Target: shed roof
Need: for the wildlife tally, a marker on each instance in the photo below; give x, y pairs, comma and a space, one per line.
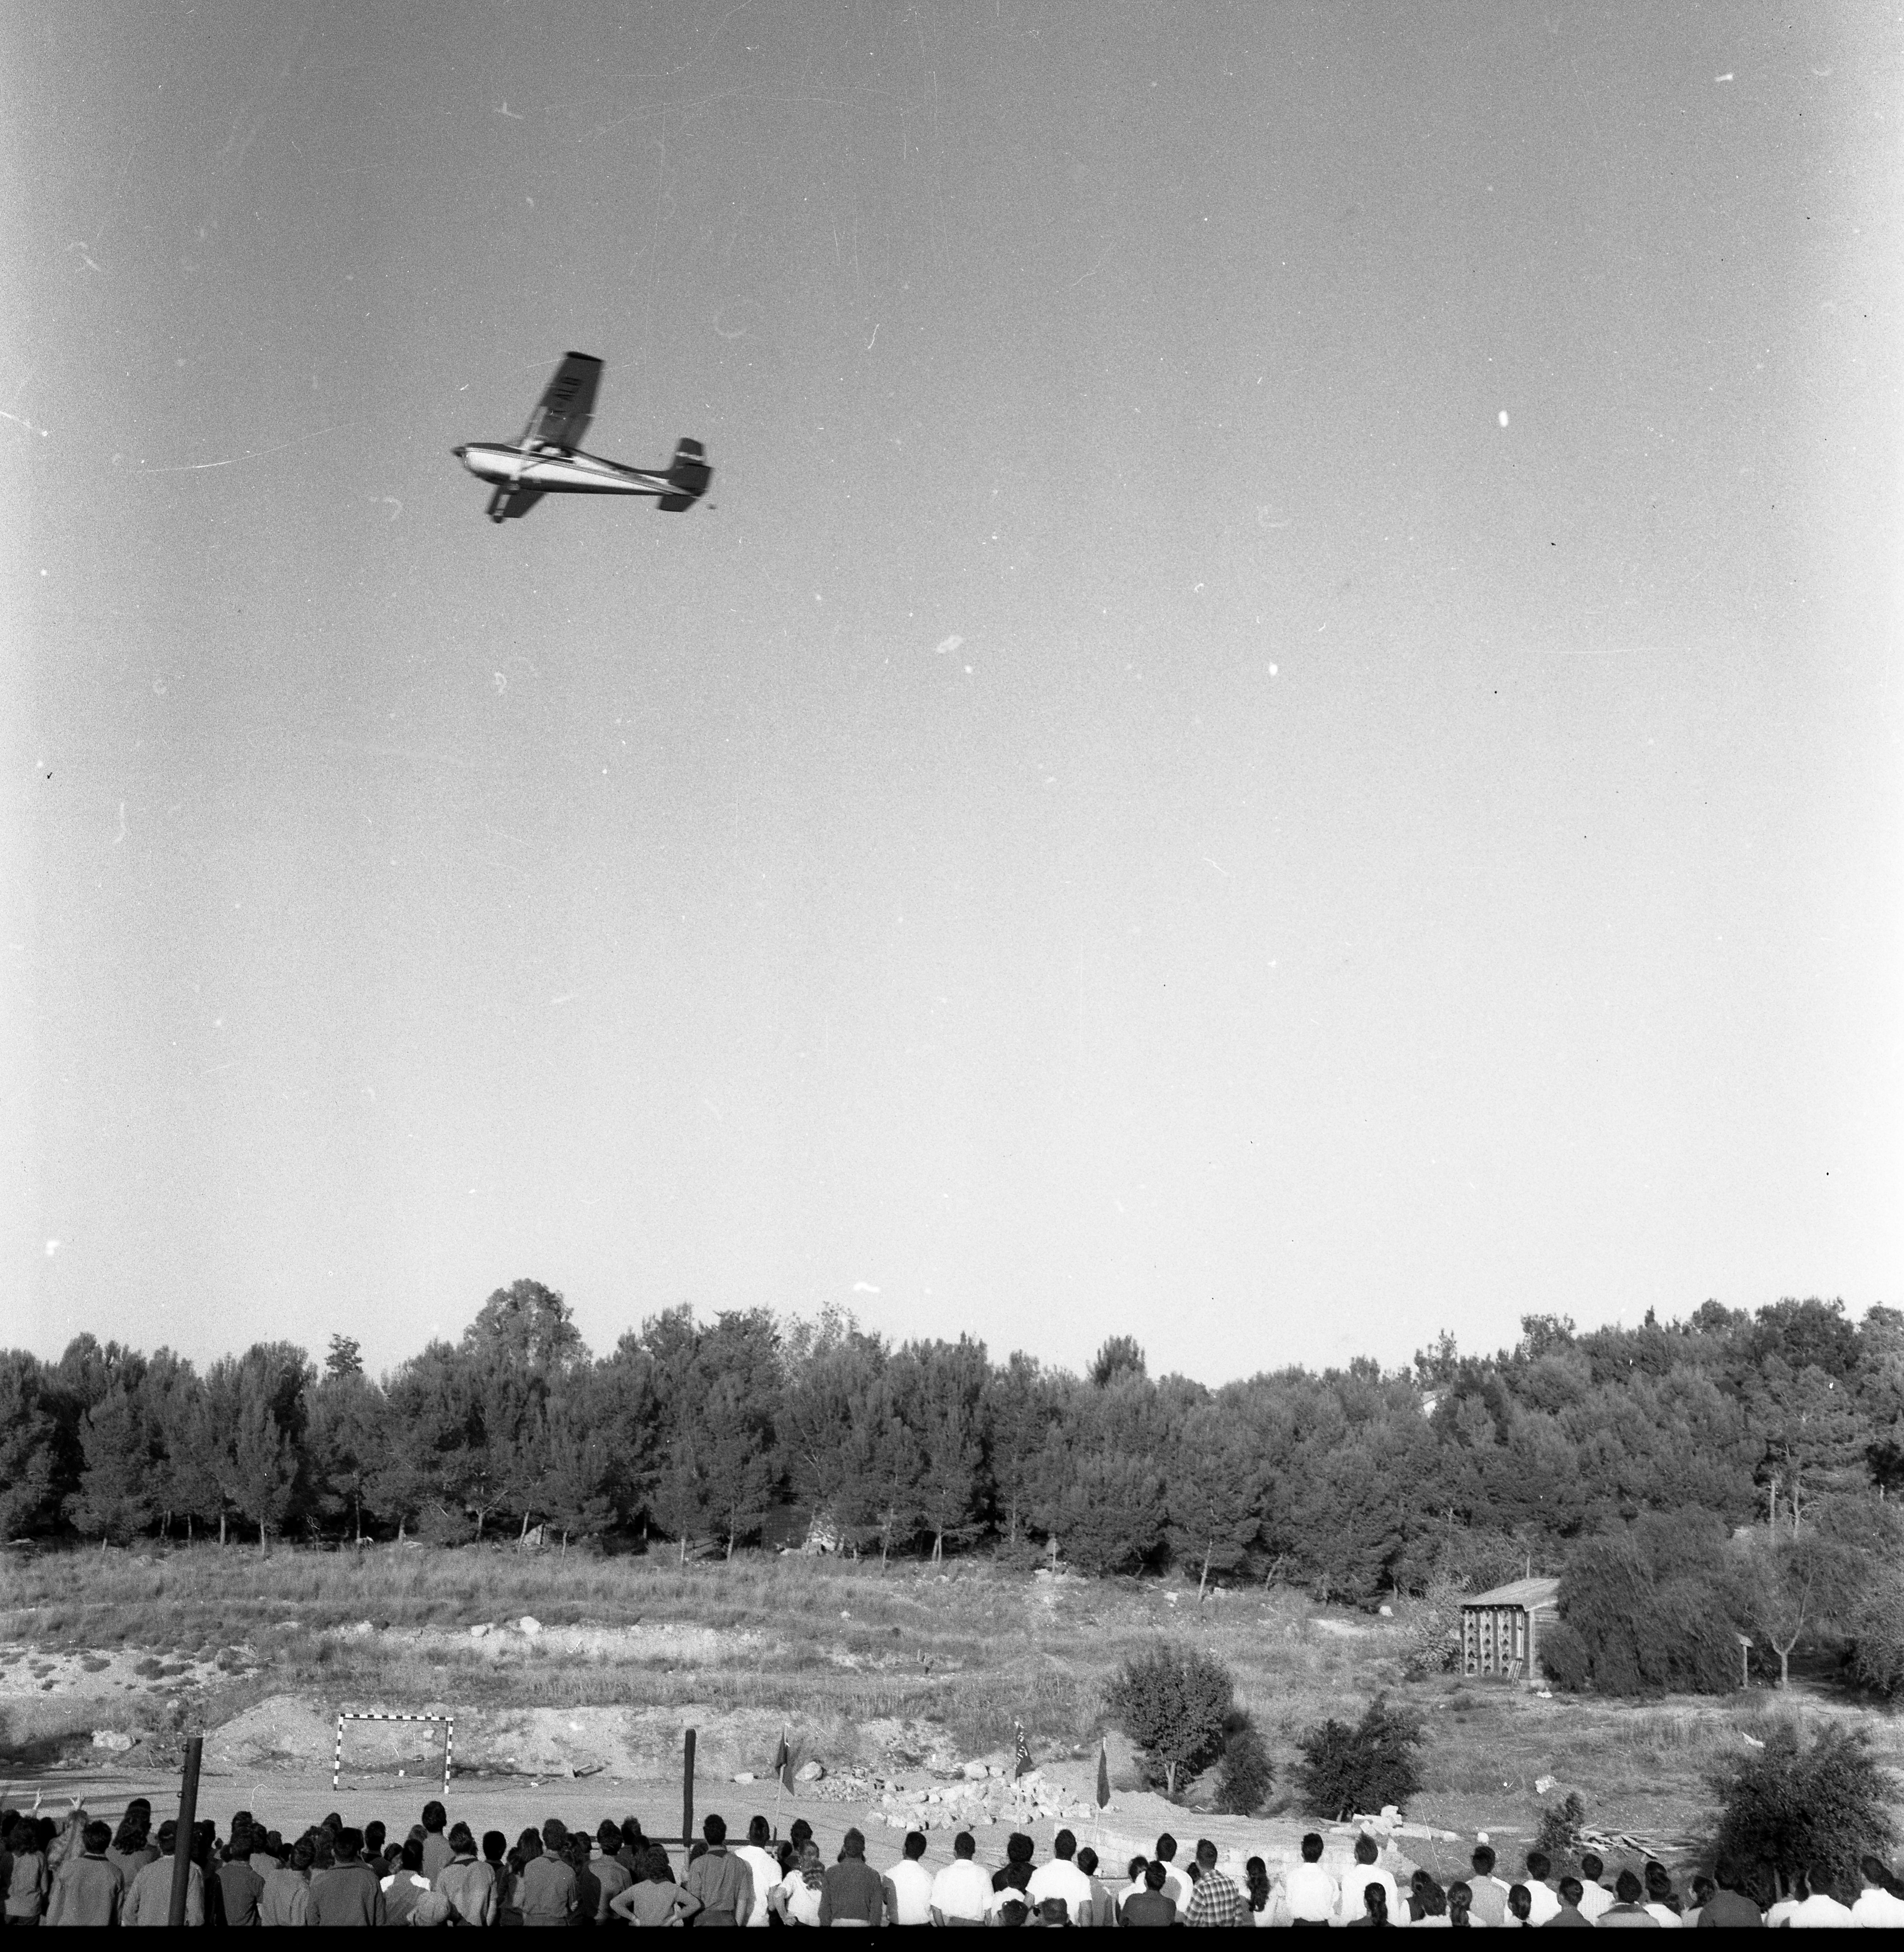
1528, 1593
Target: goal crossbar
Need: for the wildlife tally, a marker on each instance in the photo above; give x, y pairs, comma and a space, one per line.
350, 1715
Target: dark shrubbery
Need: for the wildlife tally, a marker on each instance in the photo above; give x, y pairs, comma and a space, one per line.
1819, 1807
1648, 1609
1344, 1771
1247, 1776
1560, 1825
1173, 1702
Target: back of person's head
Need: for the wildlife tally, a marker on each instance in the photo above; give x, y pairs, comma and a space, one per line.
758, 1830
1590, 1867
963, 1845
1702, 1889
1434, 1900
1571, 1891
495, 1847
1801, 1883
1460, 1896
1013, 1912
1155, 1873
1657, 1883
1627, 1888
434, 1817
168, 1836
1375, 1898
460, 1839
530, 1844
798, 1831
660, 1872
698, 1848
581, 1848
1017, 1848
1365, 1850
350, 1844
1874, 1871
1063, 1844
374, 1833
714, 1828
1255, 1874
1054, 1911
1539, 1865
411, 1856
1482, 1860
1206, 1854
97, 1836
1312, 1847
129, 1836
303, 1854
1520, 1900
1167, 1846
1135, 1869
554, 1831
1087, 1861
853, 1844
915, 1844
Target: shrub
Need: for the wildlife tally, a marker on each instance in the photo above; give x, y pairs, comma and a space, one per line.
1247, 1776
1431, 1628
1172, 1702
1820, 1807
1344, 1771
1646, 1609
1560, 1827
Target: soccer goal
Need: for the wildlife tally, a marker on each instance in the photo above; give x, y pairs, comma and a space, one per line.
348, 1715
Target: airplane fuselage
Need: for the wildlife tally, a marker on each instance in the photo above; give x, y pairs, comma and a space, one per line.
556, 470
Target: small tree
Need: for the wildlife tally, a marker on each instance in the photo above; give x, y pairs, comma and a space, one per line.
1247, 1776
1344, 1771
1792, 1584
259, 1469
1818, 1807
1172, 1702
114, 1498
1560, 1827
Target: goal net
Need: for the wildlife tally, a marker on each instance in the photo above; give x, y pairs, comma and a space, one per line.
384, 1746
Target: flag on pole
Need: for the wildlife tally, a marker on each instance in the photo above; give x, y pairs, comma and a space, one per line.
784, 1762
1021, 1750
1103, 1775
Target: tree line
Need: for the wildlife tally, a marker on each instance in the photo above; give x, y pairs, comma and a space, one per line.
711, 1434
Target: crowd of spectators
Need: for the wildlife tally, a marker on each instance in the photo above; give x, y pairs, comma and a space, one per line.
85, 1872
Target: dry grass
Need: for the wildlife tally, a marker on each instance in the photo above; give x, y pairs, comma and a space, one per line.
841, 1646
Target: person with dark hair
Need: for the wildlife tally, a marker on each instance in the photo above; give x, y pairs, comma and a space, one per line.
1434, 1905
1876, 1906
87, 1889
962, 1893
850, 1893
907, 1886
546, 1889
1177, 1884
1256, 1890
1101, 1908
795, 1899
149, 1902
1368, 1868
1216, 1900
1543, 1903
1309, 1891
1134, 1883
1626, 1912
285, 1899
1662, 1900
132, 1848
1818, 1905
436, 1848
468, 1883
1060, 1878
1010, 1909
1728, 1906
1153, 1905
1375, 1898
30, 1881
1594, 1895
350, 1892
654, 1898
1018, 1849
239, 1882
578, 1849
610, 1874
1488, 1892
1569, 1913
720, 1879
1701, 1896
1461, 1905
406, 1885
763, 1871
1520, 1905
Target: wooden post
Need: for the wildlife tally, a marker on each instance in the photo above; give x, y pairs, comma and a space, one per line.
182, 1842
687, 1790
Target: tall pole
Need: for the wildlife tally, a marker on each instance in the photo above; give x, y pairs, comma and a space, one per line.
182, 1842
687, 1790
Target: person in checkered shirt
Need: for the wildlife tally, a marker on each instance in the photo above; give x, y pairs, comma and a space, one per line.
1214, 1899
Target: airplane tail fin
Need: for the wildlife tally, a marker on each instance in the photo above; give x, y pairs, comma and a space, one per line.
688, 476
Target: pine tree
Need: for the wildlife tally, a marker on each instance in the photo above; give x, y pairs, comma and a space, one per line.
258, 1468
27, 1455
114, 1499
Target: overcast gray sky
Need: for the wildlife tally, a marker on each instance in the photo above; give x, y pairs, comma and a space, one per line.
1283, 732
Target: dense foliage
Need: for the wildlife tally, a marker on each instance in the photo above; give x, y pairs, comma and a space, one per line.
1176, 1703
1816, 1807
1565, 1454
1246, 1775
1346, 1771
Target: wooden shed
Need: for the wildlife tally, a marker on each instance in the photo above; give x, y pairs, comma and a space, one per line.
1500, 1630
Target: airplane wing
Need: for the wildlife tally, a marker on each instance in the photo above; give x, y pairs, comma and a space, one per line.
508, 502
563, 415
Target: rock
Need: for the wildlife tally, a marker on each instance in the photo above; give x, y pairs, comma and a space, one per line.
529, 1625
1543, 1784
746, 1775
482, 1628
111, 1739
975, 1771
810, 1771
1386, 1613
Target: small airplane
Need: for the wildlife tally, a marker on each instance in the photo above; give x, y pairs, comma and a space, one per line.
547, 460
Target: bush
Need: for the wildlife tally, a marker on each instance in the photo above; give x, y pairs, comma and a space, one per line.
1247, 1776
1648, 1610
1173, 1702
1345, 1771
1560, 1827
1431, 1626
1821, 1807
